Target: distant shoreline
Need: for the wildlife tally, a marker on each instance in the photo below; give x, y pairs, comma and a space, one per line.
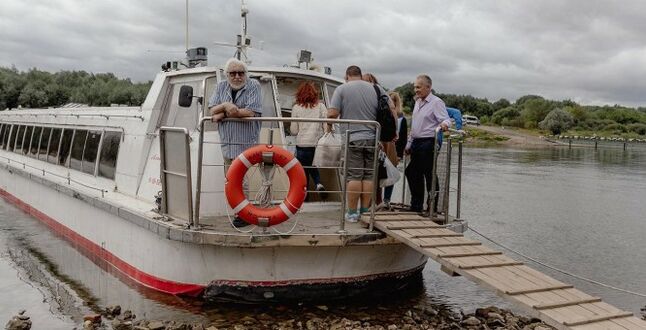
501, 136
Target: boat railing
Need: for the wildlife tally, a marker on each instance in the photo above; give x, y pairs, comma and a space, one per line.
44, 172
448, 189
341, 170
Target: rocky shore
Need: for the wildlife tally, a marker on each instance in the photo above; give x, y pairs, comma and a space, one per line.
314, 318
418, 317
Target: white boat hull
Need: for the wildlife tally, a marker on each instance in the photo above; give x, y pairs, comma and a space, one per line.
183, 268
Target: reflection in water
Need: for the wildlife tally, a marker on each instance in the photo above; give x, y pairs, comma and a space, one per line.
577, 209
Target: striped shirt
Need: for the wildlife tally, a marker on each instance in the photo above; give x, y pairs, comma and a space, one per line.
237, 136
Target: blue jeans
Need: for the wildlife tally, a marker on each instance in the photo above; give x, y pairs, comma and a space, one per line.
305, 155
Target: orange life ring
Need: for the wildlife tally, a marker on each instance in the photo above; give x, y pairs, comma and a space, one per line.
265, 216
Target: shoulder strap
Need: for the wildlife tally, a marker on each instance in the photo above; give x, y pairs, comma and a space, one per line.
377, 90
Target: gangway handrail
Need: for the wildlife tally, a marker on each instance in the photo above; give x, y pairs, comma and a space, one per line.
460, 134
375, 177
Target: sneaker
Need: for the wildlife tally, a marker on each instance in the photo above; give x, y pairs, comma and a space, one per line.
320, 187
239, 223
352, 217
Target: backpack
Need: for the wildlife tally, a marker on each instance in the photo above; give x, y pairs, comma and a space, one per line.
385, 117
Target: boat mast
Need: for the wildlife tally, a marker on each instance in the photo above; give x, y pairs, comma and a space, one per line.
186, 38
244, 41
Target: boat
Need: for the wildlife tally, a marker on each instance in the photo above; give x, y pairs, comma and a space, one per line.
142, 189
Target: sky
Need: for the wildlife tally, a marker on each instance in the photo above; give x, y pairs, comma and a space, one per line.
589, 51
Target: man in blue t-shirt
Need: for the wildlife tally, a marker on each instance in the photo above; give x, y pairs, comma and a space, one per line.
456, 115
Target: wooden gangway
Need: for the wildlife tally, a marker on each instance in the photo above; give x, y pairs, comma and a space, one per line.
556, 303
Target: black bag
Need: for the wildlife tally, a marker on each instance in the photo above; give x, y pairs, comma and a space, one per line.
385, 117
382, 172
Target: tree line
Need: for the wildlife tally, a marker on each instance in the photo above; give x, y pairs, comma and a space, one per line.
38, 89
536, 112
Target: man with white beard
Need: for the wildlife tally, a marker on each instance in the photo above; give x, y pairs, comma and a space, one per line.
237, 97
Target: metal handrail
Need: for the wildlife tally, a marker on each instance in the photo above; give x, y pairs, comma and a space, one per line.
434, 178
375, 124
44, 171
77, 115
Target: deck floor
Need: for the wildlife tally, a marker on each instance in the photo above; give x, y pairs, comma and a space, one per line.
558, 304
325, 222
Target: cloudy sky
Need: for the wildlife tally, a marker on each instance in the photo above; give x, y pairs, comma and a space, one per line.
593, 52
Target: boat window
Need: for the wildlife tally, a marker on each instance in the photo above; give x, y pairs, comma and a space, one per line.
330, 91
287, 88
91, 150
55, 140
5, 137
268, 104
109, 153
25, 145
209, 89
177, 116
66, 144
44, 141
19, 138
208, 92
5, 134
2, 129
78, 143
12, 138
35, 138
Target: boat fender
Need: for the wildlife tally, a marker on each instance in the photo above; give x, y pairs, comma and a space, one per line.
253, 214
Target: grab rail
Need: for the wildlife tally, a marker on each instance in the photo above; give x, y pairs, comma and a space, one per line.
434, 192
44, 171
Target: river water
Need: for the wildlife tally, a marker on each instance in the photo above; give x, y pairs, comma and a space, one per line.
580, 210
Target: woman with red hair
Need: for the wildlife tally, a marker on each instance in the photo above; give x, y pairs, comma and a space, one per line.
307, 105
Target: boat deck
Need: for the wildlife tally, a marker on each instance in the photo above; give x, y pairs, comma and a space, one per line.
556, 303
303, 223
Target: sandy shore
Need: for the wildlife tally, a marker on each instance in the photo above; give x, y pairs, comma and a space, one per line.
511, 137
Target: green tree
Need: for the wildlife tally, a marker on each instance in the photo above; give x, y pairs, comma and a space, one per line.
500, 104
534, 111
407, 93
521, 100
505, 116
557, 121
33, 95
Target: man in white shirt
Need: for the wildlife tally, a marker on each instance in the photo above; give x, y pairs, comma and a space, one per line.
428, 114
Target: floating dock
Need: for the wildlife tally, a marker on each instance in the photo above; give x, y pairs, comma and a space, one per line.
556, 303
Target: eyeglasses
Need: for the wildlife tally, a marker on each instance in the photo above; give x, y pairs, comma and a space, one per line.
236, 73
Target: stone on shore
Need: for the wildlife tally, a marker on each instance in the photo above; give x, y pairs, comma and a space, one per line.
19, 322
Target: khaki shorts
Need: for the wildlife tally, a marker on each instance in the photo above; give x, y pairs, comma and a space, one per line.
361, 155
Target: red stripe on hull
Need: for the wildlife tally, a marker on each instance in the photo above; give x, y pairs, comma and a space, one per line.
137, 275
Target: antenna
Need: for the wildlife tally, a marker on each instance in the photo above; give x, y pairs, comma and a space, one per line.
243, 41
186, 38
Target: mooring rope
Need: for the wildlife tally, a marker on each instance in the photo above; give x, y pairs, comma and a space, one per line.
558, 269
